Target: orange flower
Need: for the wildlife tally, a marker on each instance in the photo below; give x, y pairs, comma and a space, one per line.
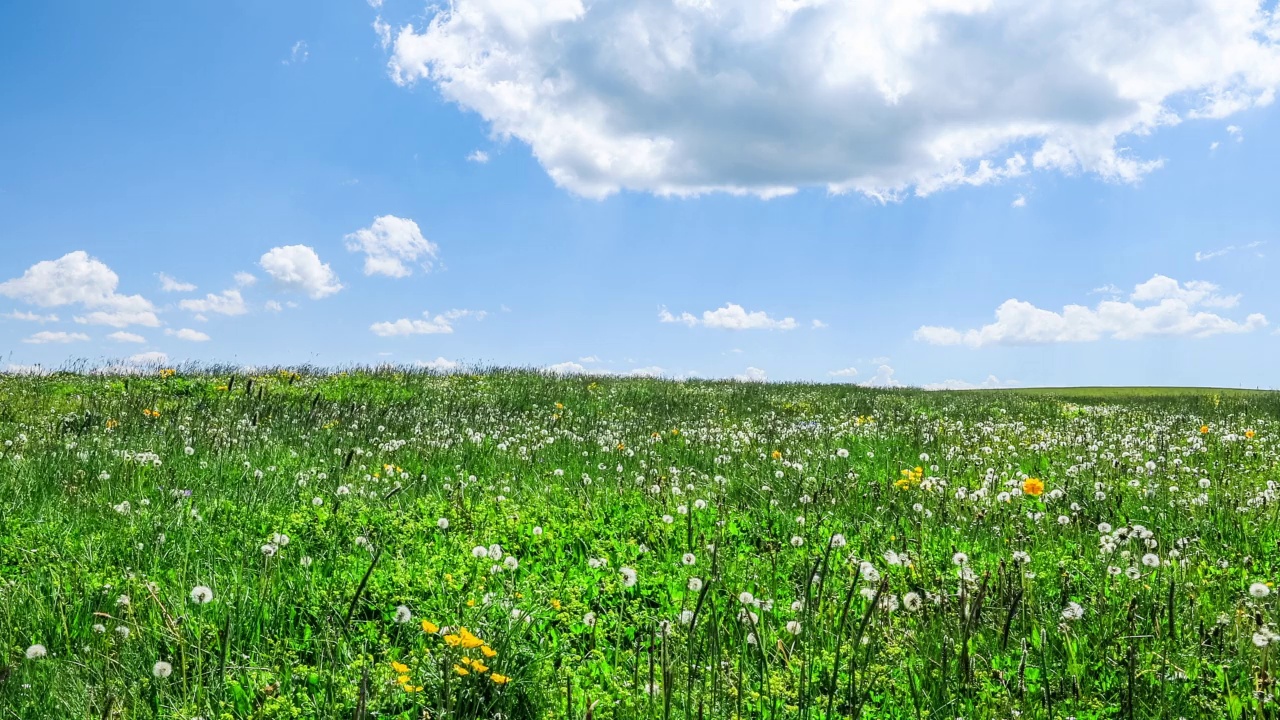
1033, 486
1204, 429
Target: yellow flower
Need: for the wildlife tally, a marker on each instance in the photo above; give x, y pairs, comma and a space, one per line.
559, 406
1249, 434
621, 446
776, 455
555, 603
112, 423
467, 640
461, 670
675, 431
453, 640
1204, 429
1033, 486
479, 666
400, 668
430, 627
487, 651
500, 679
402, 679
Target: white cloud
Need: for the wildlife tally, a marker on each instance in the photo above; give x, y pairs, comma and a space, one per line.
389, 243
752, 374
440, 364
729, 317
652, 371
273, 306
818, 324
20, 369
566, 368
1202, 256
244, 279
1159, 306
46, 336
875, 96
187, 334
170, 284
375, 4
884, 378
383, 30
1235, 132
1214, 145
992, 382
589, 359
441, 323
126, 337
1019, 201
297, 267
845, 373
228, 302
297, 54
478, 156
154, 357
78, 279
31, 317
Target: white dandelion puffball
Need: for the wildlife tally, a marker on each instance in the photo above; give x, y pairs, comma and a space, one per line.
201, 594
35, 652
695, 584
688, 559
403, 614
479, 551
443, 523
628, 576
746, 598
162, 669
1259, 590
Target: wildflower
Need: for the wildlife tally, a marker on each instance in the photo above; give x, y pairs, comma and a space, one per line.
479, 551
628, 576
403, 614
746, 598
837, 541
511, 562
796, 541
495, 552
443, 523
400, 668
499, 679
461, 670
1033, 487
1072, 612
688, 559
589, 619
430, 627
162, 669
35, 652
960, 559
912, 602
1151, 560
793, 627
695, 584
487, 651
1259, 590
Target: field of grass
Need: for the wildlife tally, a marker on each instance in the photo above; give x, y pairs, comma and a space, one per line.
512, 545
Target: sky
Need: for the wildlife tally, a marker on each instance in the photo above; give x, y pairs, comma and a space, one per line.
936, 193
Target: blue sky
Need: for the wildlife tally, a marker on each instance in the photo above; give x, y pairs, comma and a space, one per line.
667, 154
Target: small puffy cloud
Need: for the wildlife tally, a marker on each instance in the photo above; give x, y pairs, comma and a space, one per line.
752, 374
441, 323
389, 243
78, 279
844, 373
818, 324
228, 302
30, 317
187, 334
1160, 306
884, 378
680, 97
46, 336
566, 368
273, 306
126, 337
298, 54
170, 284
440, 364
992, 382
245, 279
298, 268
1019, 201
478, 156
730, 317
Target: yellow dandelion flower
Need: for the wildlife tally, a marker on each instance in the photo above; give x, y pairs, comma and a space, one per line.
1033, 486
499, 678
430, 627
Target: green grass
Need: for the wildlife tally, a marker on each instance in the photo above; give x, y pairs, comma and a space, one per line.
860, 553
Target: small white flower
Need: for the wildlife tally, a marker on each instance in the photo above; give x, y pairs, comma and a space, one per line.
495, 552
1151, 560
305, 561
686, 617
837, 541
695, 584
1259, 590
479, 551
589, 619
162, 669
689, 559
912, 602
403, 614
511, 562
537, 530
960, 559
796, 541
443, 523
123, 601
1072, 612
269, 550
201, 594
793, 627
746, 598
628, 576
35, 652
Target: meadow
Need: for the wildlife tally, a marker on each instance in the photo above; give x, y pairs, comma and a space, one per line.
203, 543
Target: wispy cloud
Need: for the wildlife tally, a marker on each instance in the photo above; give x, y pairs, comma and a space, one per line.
1202, 256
